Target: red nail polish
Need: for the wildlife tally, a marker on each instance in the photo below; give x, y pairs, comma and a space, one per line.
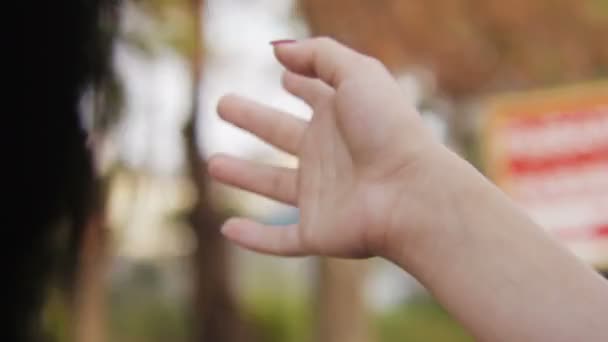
282, 41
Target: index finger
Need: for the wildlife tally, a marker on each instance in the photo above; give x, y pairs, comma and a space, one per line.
323, 58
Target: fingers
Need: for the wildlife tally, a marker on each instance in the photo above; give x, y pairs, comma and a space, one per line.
278, 128
310, 90
322, 58
278, 183
276, 240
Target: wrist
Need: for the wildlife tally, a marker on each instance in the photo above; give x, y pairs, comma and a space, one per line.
433, 211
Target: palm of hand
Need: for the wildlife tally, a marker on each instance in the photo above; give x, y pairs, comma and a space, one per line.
350, 157
346, 159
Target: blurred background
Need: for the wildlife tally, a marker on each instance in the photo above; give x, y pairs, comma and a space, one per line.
519, 88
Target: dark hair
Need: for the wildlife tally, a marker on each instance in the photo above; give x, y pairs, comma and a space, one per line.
55, 49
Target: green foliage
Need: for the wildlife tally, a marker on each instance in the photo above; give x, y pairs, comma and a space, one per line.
56, 316
290, 319
419, 319
173, 26
597, 9
279, 318
141, 312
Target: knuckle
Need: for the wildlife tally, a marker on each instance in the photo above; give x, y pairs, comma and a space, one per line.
373, 63
290, 83
328, 44
325, 41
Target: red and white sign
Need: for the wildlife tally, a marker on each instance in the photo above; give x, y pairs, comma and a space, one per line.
549, 151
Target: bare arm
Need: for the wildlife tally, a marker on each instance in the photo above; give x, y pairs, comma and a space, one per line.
498, 273
372, 181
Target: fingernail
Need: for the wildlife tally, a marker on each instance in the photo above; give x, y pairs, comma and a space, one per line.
282, 41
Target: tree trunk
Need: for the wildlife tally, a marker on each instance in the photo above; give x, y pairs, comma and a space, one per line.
216, 314
341, 314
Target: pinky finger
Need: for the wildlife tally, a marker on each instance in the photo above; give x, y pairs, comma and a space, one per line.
275, 240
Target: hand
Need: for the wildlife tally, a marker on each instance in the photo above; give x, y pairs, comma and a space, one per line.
365, 153
372, 181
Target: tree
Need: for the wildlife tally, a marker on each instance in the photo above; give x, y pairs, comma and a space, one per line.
217, 316
178, 25
474, 46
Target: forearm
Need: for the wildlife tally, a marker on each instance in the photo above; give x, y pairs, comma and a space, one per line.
370, 181
500, 274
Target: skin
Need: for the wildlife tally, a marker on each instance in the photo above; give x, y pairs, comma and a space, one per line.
372, 181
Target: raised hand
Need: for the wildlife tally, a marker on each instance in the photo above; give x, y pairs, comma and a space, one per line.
364, 153
372, 181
